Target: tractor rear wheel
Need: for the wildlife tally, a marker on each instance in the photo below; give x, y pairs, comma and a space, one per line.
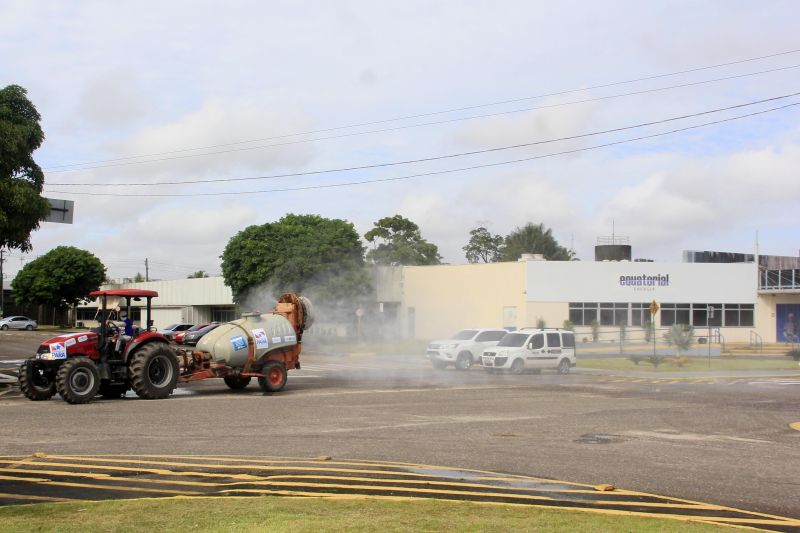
275, 377
77, 380
236, 382
153, 371
36, 381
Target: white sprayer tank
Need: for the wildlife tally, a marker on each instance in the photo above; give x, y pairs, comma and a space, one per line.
231, 340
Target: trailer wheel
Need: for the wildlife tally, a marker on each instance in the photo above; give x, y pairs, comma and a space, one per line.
77, 380
36, 381
113, 391
236, 382
153, 371
275, 377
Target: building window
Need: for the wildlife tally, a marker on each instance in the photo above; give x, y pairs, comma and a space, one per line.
738, 315
640, 314
613, 314
583, 313
675, 314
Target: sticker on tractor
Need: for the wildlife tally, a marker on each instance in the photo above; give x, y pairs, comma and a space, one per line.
289, 338
261, 338
83, 338
70, 342
276, 340
58, 351
238, 343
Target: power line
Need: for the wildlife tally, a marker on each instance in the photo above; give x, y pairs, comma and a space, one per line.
449, 171
84, 166
435, 158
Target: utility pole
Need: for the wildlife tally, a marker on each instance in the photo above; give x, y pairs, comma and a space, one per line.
146, 270
2, 286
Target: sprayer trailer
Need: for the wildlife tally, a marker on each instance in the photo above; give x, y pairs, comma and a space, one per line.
105, 361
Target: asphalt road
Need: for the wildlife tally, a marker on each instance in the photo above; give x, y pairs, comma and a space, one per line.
721, 440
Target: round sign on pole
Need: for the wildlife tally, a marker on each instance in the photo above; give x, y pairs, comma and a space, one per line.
359, 312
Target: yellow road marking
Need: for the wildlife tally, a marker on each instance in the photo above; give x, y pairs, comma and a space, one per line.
109, 487
795, 426
393, 464
36, 498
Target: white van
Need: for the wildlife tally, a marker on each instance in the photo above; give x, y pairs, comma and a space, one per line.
463, 349
532, 349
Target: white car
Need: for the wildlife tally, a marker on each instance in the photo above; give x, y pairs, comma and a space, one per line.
532, 349
463, 349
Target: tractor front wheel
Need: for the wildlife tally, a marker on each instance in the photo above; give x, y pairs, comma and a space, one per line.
153, 371
236, 382
77, 380
36, 381
274, 378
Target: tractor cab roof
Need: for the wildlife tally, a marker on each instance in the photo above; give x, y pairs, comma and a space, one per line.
125, 292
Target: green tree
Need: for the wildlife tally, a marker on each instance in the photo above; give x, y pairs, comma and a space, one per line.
534, 239
397, 240
298, 253
198, 274
21, 180
138, 278
483, 246
62, 277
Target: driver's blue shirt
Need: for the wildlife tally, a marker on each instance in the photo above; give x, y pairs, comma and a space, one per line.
128, 327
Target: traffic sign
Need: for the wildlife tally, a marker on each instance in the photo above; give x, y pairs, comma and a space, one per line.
653, 308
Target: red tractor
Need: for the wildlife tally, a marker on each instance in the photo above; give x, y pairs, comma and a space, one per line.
80, 365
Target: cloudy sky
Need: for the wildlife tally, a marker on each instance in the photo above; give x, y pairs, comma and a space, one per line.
152, 92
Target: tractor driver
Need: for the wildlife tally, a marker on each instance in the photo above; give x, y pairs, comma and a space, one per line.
127, 334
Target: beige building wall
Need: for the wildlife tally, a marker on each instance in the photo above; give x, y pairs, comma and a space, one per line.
440, 300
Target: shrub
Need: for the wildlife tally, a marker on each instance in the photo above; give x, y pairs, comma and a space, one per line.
636, 359
623, 329
656, 360
794, 354
649, 329
569, 325
540, 323
595, 325
681, 336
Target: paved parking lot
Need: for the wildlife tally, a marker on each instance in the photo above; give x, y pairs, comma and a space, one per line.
722, 440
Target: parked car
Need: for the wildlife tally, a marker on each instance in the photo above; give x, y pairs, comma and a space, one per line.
463, 349
191, 338
532, 349
18, 322
173, 329
178, 337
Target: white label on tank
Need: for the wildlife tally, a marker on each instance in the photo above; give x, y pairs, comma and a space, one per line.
289, 338
261, 338
276, 340
238, 343
58, 351
70, 342
83, 338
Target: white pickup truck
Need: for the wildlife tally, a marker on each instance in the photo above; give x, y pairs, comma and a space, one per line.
463, 349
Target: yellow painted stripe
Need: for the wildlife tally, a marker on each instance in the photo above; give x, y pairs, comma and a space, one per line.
795, 426
112, 487
36, 498
288, 460
393, 464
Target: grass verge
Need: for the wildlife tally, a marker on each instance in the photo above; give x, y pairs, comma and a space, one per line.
242, 515
695, 364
